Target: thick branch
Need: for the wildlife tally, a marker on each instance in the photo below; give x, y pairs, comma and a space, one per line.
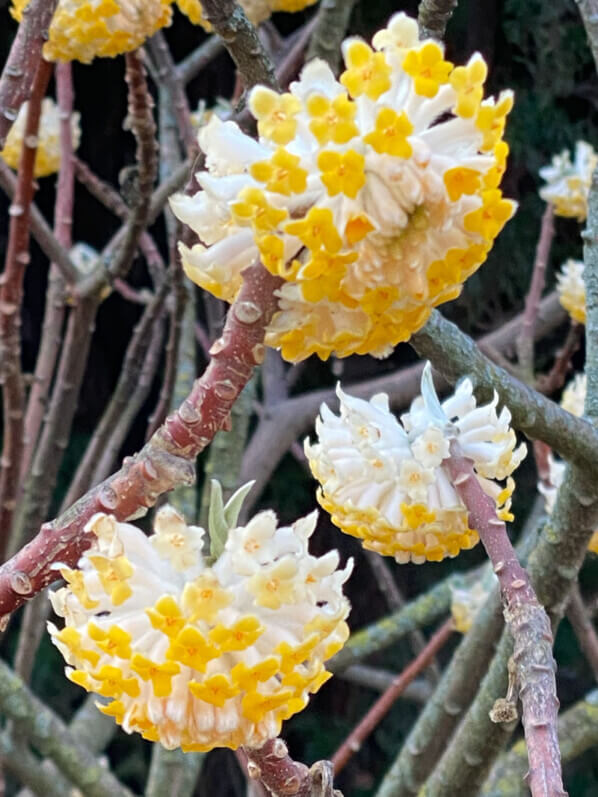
529, 625
578, 732
453, 354
331, 26
167, 459
241, 40
433, 17
52, 738
22, 62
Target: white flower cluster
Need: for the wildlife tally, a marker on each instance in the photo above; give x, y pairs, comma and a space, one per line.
373, 196
568, 182
571, 289
384, 481
201, 656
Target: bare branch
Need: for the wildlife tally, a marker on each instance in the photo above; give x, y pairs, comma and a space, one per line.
22, 62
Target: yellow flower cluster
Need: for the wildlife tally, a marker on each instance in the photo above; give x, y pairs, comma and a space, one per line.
47, 159
384, 481
201, 656
84, 29
568, 183
374, 197
572, 290
256, 10
572, 400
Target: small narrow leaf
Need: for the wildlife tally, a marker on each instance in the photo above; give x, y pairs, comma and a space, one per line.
217, 527
235, 503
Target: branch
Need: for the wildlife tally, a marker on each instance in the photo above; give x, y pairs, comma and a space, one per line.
197, 60
172, 772
578, 732
528, 623
54, 310
418, 613
332, 23
382, 706
167, 459
52, 738
582, 625
453, 354
242, 42
433, 17
142, 124
378, 679
22, 62
283, 777
40, 229
125, 389
588, 10
525, 341
439, 721
11, 295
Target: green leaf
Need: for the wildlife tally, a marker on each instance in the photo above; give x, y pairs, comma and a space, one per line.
222, 518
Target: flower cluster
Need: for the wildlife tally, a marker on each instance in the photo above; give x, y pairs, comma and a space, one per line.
47, 159
572, 400
468, 598
572, 290
201, 656
374, 197
384, 481
256, 10
84, 29
568, 183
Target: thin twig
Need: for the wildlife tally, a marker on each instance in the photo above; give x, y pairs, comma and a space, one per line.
197, 60
22, 62
525, 341
111, 199
143, 127
555, 378
11, 294
290, 65
128, 381
529, 625
54, 310
582, 625
40, 229
383, 705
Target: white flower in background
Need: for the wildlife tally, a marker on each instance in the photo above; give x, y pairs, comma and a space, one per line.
568, 183
47, 158
573, 400
383, 480
572, 290
373, 196
194, 655
468, 597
